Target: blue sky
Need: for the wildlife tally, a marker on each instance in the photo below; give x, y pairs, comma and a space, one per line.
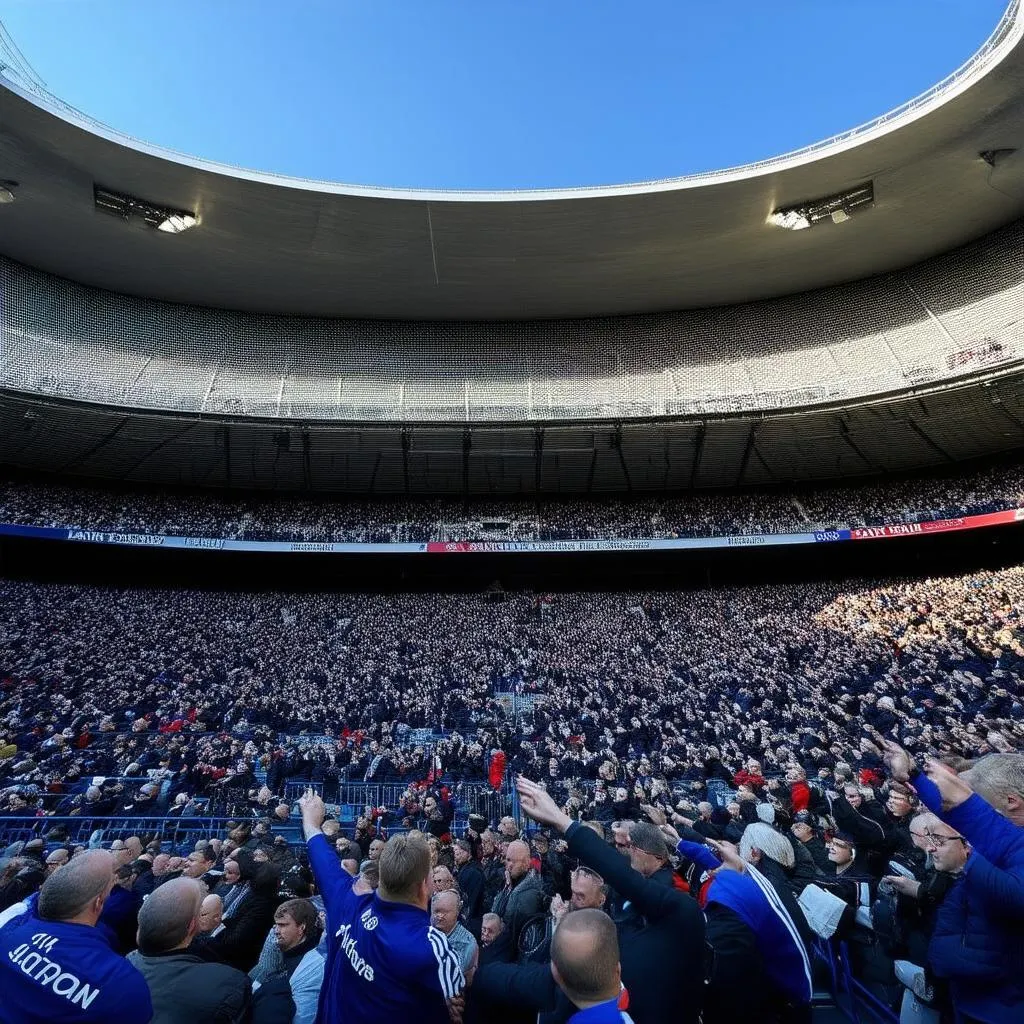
492, 93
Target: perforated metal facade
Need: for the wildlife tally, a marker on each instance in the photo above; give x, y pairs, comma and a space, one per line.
933, 323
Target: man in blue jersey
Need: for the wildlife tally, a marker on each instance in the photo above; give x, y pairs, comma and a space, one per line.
56, 965
385, 961
585, 964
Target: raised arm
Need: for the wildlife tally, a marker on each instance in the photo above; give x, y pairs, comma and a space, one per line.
333, 882
650, 898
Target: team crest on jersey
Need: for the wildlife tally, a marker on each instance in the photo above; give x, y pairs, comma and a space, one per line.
369, 921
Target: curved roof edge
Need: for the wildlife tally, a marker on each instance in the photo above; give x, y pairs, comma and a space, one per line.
1005, 36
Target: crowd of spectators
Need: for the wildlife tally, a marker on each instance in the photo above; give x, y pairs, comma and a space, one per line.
719, 781
407, 520
913, 871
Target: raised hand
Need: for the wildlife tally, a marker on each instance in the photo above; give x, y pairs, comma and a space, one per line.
897, 760
953, 789
656, 814
904, 886
313, 812
728, 854
559, 908
538, 804
669, 832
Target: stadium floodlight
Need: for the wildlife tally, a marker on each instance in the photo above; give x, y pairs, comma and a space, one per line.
837, 208
163, 218
794, 220
175, 223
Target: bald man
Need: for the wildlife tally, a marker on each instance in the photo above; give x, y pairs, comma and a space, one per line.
523, 895
55, 966
585, 966
185, 988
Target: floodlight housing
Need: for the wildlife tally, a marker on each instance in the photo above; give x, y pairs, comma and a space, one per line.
837, 208
163, 218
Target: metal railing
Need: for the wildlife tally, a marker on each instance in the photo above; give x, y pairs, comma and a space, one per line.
94, 831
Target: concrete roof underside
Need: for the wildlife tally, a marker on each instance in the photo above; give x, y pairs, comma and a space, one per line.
279, 245
977, 417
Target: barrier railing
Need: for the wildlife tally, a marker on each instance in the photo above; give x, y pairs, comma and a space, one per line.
95, 831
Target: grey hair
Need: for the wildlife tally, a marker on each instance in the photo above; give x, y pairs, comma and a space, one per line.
995, 777
448, 892
758, 836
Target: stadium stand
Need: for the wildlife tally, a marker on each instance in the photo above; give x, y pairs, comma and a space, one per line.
941, 496
951, 316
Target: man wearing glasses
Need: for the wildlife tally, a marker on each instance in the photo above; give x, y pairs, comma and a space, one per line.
976, 945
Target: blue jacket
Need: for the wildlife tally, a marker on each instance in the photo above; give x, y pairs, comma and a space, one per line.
60, 973
603, 1013
385, 961
978, 941
753, 899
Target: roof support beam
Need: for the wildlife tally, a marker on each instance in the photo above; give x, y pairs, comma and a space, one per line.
747, 451
702, 433
844, 433
934, 445
538, 460
373, 475
77, 460
617, 445
467, 447
590, 473
160, 447
406, 445
307, 469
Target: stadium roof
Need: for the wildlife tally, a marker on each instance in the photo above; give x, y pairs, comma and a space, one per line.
267, 243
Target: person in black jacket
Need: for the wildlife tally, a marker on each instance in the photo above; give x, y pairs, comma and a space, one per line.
662, 961
184, 988
809, 839
249, 916
471, 886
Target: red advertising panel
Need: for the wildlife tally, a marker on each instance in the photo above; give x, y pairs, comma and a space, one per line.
1010, 515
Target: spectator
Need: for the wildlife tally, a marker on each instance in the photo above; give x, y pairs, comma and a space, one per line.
490, 928
184, 988
523, 894
471, 884
290, 974
585, 964
662, 965
975, 945
445, 907
755, 929
248, 913
55, 965
385, 958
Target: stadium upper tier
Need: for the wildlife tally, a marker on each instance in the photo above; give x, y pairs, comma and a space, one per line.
941, 170
937, 322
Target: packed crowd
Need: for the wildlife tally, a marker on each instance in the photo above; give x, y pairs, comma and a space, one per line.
913, 871
634, 689
722, 780
382, 521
